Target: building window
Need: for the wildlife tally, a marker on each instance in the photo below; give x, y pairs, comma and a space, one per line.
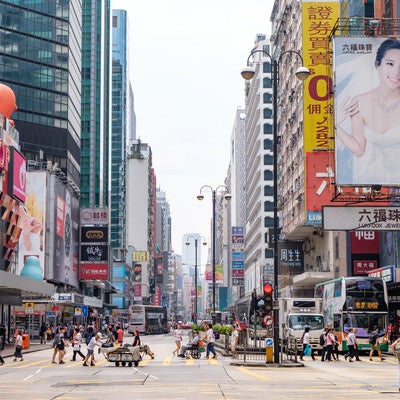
267, 129
268, 222
267, 144
268, 191
268, 159
268, 206
267, 98
266, 67
267, 83
268, 175
267, 113
269, 253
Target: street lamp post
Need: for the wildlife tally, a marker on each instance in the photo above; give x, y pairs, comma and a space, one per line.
227, 197
196, 239
302, 74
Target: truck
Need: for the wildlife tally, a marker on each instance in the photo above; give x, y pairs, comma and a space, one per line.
297, 313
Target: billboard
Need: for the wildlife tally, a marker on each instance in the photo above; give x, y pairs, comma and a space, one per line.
17, 175
96, 234
94, 216
291, 257
364, 218
62, 264
33, 235
318, 20
367, 110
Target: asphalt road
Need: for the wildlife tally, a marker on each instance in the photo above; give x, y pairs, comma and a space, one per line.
169, 377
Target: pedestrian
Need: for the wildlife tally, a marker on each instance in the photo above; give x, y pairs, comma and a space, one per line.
322, 342
18, 347
76, 344
94, 341
42, 333
209, 337
336, 348
192, 344
396, 351
62, 344
306, 338
355, 330
1, 360
136, 339
56, 341
234, 340
330, 343
374, 342
120, 335
178, 339
351, 344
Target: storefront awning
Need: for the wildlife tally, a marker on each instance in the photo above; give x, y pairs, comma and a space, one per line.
14, 287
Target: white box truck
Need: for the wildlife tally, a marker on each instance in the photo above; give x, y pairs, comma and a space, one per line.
298, 313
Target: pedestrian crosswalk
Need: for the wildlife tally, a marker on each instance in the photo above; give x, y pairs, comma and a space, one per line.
102, 362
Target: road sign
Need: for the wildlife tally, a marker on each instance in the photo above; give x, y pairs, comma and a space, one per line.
269, 342
268, 320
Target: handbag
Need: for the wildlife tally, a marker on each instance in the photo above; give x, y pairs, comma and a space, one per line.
307, 351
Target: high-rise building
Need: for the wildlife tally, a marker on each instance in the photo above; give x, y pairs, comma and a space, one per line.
40, 59
120, 94
259, 168
96, 97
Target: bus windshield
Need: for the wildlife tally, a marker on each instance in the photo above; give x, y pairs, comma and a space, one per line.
315, 322
363, 322
365, 295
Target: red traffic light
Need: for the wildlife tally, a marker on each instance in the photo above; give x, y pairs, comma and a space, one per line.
268, 289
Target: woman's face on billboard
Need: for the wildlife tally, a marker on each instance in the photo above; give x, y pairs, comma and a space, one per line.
389, 70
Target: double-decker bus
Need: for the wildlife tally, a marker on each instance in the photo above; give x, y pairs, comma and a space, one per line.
147, 319
355, 302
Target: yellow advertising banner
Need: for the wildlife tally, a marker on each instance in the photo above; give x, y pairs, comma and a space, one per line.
318, 19
141, 256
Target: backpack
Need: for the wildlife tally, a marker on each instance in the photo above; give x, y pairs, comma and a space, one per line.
322, 339
372, 338
88, 337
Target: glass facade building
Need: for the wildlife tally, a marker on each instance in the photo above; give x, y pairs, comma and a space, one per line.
40, 59
120, 96
95, 136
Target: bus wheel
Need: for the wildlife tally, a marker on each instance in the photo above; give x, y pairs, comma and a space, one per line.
117, 364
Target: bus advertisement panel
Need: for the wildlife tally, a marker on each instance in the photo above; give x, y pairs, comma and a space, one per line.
355, 302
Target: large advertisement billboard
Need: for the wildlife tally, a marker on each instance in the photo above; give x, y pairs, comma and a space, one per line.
318, 20
63, 245
33, 234
367, 110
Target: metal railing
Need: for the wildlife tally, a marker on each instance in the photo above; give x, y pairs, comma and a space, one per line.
254, 350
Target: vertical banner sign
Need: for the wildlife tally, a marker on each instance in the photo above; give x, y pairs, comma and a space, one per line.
237, 256
318, 19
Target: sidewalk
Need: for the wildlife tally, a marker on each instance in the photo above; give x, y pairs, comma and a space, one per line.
34, 345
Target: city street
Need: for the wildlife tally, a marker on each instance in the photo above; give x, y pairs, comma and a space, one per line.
167, 376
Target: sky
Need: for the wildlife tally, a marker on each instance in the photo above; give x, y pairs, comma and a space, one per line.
186, 57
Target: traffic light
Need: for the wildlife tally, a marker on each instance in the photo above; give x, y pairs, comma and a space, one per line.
260, 306
268, 297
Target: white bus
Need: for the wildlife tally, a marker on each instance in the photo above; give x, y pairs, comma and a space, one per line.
355, 302
147, 319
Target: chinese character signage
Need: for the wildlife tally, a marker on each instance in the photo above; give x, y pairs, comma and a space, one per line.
238, 256
318, 20
291, 257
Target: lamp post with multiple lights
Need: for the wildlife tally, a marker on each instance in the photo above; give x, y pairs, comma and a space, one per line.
302, 74
222, 189
196, 240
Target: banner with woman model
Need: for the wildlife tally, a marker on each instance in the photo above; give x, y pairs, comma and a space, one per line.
367, 110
